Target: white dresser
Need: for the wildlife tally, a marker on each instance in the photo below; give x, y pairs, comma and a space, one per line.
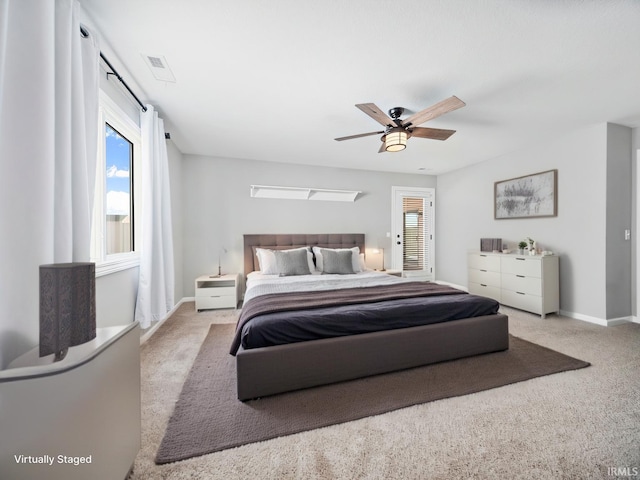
526, 282
216, 292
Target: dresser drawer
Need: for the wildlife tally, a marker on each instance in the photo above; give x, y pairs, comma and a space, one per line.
484, 277
485, 290
517, 265
479, 261
523, 301
522, 284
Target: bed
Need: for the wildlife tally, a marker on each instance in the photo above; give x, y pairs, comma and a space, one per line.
459, 324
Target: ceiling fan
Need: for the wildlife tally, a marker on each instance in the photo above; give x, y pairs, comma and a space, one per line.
398, 131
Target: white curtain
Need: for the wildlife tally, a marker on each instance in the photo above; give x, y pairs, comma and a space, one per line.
48, 140
156, 284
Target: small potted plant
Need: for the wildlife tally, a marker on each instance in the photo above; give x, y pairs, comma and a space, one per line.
521, 246
532, 246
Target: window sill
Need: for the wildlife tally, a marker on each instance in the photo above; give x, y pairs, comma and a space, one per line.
123, 262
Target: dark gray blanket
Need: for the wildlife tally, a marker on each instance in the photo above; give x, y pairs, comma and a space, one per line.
282, 318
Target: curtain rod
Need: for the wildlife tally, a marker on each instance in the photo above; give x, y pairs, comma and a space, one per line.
85, 34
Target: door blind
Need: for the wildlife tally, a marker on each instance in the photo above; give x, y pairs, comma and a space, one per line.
415, 234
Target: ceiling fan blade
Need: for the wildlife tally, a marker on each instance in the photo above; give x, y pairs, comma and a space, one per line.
382, 149
376, 113
358, 136
440, 108
433, 133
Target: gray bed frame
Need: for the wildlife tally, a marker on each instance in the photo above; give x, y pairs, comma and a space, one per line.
282, 368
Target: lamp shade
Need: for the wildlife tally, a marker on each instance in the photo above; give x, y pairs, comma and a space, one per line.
67, 306
395, 140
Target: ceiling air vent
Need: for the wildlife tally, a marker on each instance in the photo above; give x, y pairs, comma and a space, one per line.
156, 62
159, 67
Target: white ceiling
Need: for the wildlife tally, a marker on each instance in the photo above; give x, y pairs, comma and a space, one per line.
278, 80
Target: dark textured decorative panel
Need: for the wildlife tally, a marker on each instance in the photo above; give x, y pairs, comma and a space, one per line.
490, 244
67, 306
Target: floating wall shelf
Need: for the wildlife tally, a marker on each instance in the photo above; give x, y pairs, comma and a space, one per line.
303, 193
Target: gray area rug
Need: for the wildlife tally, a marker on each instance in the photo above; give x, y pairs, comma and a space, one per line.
208, 417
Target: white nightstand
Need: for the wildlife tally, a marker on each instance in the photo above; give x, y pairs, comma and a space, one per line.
217, 292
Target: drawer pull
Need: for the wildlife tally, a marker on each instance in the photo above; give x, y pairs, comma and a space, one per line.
518, 258
520, 293
483, 255
483, 270
521, 276
482, 285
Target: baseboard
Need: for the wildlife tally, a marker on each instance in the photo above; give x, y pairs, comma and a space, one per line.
611, 322
147, 335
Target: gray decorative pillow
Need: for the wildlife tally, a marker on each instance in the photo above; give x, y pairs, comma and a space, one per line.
293, 262
337, 261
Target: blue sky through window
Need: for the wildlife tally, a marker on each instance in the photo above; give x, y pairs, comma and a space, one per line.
118, 162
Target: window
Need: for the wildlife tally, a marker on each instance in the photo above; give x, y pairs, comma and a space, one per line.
119, 198
116, 216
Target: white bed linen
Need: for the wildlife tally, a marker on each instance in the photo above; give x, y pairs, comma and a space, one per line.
260, 284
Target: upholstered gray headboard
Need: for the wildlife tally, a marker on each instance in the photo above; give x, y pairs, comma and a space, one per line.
282, 241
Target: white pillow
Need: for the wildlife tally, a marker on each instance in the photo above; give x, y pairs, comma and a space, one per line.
363, 265
267, 260
355, 259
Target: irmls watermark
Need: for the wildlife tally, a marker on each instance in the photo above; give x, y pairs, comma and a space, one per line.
623, 472
52, 459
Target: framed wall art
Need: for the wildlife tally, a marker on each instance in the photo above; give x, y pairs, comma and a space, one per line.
534, 195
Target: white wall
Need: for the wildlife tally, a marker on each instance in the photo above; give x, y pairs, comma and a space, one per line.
619, 207
579, 232
116, 297
635, 211
218, 210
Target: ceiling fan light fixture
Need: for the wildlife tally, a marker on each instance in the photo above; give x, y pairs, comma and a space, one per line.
395, 141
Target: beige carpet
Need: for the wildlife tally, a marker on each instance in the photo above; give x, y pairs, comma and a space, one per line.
208, 417
577, 424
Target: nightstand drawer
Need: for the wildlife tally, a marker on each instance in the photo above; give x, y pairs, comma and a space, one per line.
203, 303
215, 291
